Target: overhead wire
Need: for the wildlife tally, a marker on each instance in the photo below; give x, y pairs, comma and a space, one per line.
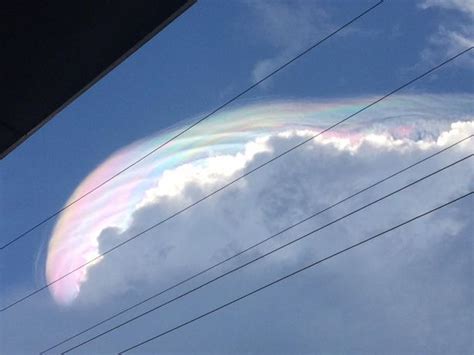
253, 246
260, 257
287, 276
242, 93
249, 172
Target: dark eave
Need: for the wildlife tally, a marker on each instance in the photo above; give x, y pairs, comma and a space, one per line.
52, 51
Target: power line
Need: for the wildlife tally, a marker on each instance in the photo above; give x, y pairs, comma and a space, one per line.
235, 300
190, 126
254, 245
258, 167
268, 253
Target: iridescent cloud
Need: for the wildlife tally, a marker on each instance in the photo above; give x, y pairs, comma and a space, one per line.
225, 145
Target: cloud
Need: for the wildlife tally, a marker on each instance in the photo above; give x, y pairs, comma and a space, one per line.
397, 295
455, 33
465, 6
262, 204
287, 27
235, 142
280, 195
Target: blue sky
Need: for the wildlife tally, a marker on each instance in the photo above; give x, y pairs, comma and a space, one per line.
209, 54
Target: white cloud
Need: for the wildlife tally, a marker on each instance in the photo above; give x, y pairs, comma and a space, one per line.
412, 284
405, 130
288, 27
272, 199
465, 6
204, 173
455, 33
277, 196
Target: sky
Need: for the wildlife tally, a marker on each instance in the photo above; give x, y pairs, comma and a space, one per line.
409, 292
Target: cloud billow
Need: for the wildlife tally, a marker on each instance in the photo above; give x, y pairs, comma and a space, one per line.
396, 283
